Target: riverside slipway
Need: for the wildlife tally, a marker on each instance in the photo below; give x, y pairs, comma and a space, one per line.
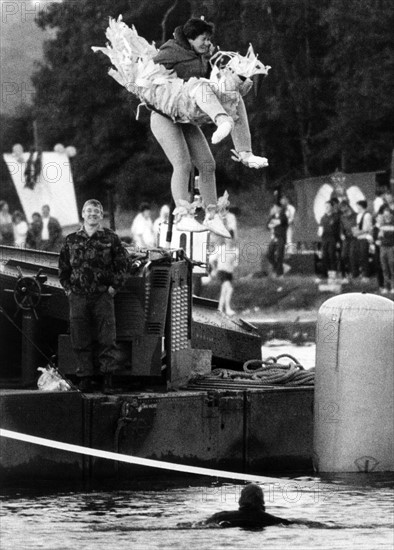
167, 407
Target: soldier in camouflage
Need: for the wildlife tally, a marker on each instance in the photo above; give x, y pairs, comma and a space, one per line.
92, 267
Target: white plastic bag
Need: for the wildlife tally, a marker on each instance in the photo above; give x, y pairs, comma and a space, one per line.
50, 380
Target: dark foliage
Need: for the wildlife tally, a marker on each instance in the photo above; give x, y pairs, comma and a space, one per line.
326, 103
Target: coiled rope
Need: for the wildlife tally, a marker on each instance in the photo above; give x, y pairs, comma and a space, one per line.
272, 371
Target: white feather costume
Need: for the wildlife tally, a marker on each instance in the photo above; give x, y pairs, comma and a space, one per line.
157, 87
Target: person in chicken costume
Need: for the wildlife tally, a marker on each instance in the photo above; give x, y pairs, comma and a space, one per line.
185, 86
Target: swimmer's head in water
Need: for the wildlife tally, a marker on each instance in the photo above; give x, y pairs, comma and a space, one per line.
252, 497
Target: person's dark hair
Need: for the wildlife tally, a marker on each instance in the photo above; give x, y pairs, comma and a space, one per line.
144, 206
36, 216
195, 26
381, 190
17, 214
384, 208
362, 203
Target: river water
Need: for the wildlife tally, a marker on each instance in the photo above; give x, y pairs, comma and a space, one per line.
349, 512
336, 512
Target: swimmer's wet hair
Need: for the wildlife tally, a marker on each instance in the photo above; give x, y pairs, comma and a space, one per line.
252, 497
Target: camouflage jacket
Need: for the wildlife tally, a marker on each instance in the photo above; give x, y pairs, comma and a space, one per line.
89, 265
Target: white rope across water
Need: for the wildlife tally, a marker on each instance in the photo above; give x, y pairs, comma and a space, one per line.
134, 459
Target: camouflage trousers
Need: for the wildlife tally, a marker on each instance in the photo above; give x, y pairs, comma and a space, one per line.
93, 332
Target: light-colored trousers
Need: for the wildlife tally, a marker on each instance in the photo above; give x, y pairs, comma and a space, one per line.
185, 147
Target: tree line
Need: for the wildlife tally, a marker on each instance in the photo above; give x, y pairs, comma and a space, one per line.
326, 103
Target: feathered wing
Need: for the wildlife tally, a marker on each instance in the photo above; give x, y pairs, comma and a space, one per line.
132, 58
354, 194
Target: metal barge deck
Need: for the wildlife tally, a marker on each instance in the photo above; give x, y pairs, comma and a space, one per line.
165, 335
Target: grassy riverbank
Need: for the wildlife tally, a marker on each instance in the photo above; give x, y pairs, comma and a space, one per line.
293, 296
256, 294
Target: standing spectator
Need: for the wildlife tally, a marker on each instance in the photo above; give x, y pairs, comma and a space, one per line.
378, 201
51, 233
386, 236
6, 229
329, 232
277, 223
33, 237
290, 213
377, 264
164, 216
363, 233
223, 261
92, 267
142, 228
389, 200
230, 222
20, 229
337, 213
348, 220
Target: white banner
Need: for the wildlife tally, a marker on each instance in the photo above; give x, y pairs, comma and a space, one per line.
54, 187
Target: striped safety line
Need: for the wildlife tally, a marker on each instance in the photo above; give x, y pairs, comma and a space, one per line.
134, 459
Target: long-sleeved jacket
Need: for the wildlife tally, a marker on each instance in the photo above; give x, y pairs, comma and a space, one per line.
176, 54
89, 265
331, 228
278, 223
55, 236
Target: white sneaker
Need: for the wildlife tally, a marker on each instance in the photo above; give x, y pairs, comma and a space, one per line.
225, 127
190, 224
217, 226
249, 159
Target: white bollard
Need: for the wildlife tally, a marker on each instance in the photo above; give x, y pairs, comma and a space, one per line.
354, 383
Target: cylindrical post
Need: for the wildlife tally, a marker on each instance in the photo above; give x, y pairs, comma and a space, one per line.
354, 402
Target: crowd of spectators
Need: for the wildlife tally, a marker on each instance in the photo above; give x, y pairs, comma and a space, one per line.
358, 244
43, 232
355, 244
